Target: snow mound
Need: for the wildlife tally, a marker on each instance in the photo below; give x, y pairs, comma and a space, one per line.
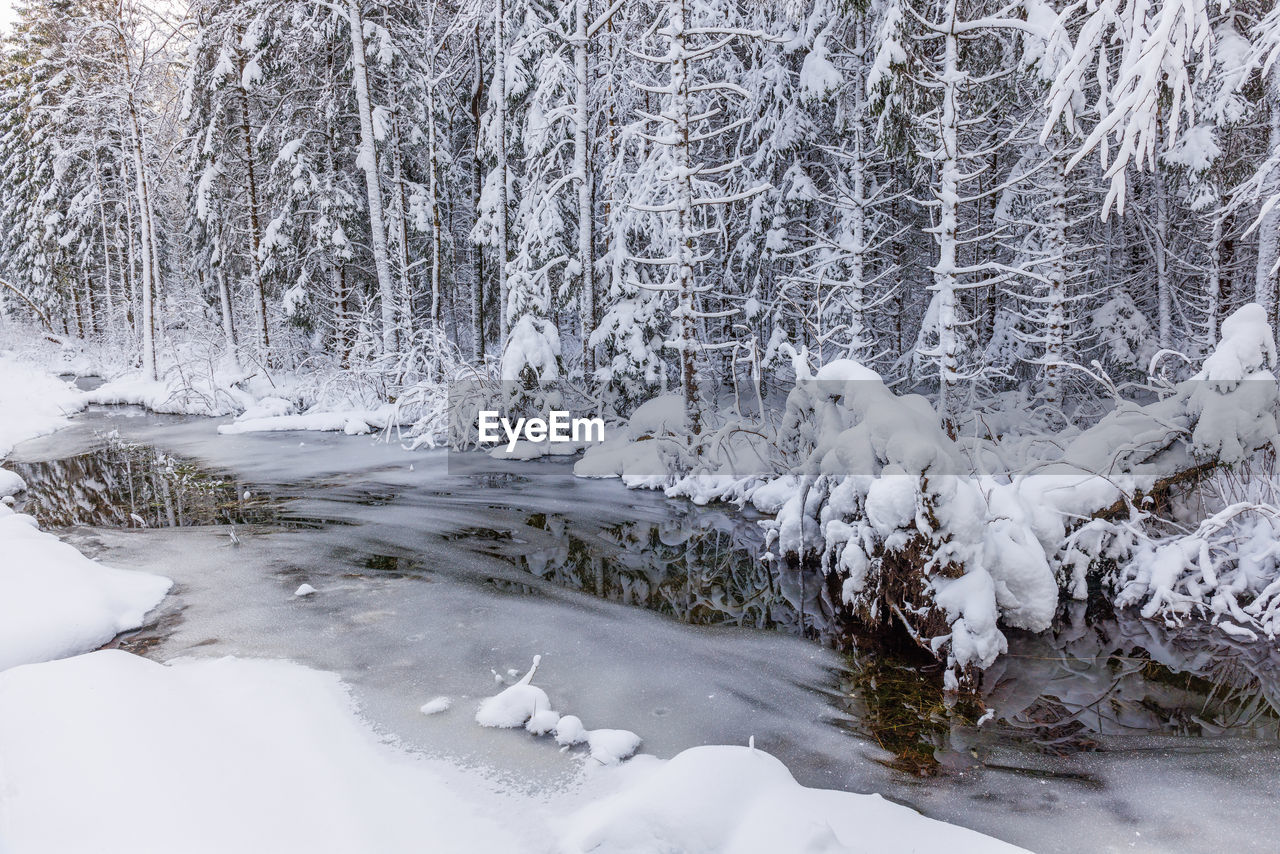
10, 483
570, 731
611, 746
179, 396
527, 705
738, 800
436, 705
251, 756
352, 423
56, 602
515, 705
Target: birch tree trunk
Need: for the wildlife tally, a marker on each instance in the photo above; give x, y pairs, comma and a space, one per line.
146, 286
228, 319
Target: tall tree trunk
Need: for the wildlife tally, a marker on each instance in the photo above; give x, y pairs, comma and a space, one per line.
367, 162
147, 285
255, 225
477, 180
582, 176
500, 129
433, 199
228, 319
1213, 284
685, 314
1164, 287
1055, 320
944, 272
401, 199
1269, 228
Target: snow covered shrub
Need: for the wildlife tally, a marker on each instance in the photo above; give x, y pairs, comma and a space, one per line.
918, 539
886, 508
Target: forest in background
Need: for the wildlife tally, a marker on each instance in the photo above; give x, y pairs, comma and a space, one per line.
639, 196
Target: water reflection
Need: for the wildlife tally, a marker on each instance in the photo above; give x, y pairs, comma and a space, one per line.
702, 568
133, 486
1097, 681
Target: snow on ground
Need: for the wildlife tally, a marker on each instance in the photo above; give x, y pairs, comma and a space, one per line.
353, 422
54, 601
32, 402
739, 800
110, 752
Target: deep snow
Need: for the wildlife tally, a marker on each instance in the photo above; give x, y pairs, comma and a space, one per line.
54, 602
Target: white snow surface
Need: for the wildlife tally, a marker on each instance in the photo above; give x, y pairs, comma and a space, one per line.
109, 752
233, 754
32, 403
739, 800
56, 602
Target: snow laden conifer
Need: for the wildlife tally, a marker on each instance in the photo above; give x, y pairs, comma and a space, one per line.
955, 116
684, 186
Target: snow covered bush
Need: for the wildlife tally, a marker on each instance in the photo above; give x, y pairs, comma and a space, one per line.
944, 541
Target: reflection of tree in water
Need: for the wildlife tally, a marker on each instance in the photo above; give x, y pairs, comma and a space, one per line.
1086, 685
1083, 686
120, 484
703, 568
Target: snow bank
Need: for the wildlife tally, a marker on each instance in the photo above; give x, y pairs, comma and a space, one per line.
739, 800
10, 484
56, 602
351, 422
32, 403
173, 396
109, 752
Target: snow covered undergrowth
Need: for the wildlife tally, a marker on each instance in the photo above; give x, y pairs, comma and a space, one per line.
921, 533
407, 397
110, 752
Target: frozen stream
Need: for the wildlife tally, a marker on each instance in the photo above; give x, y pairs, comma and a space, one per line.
651, 616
